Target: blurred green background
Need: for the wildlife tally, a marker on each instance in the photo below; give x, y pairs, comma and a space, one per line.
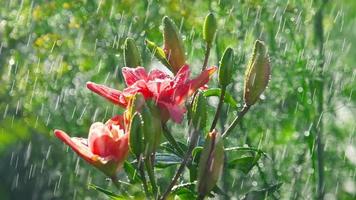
50, 49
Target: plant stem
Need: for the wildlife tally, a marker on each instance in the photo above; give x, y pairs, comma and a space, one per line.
115, 182
172, 141
150, 171
142, 174
187, 156
236, 121
206, 57
200, 197
193, 140
218, 110
319, 36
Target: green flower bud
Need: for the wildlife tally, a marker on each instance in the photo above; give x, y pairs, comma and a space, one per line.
152, 127
131, 54
199, 112
211, 163
226, 68
136, 135
158, 53
173, 45
209, 29
257, 74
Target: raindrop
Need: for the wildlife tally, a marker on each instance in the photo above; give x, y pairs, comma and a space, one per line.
28, 153
254, 183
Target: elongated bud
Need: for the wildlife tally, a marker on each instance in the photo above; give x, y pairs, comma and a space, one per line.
131, 54
158, 53
209, 29
152, 127
136, 135
226, 68
257, 74
173, 45
211, 163
199, 112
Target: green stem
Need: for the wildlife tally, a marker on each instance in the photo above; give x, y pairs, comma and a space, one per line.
172, 141
115, 182
206, 57
180, 170
151, 175
319, 36
200, 197
143, 176
236, 121
218, 110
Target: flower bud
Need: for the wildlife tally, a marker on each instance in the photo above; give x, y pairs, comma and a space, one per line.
199, 112
257, 74
136, 135
131, 54
226, 68
152, 127
158, 53
211, 163
173, 45
209, 29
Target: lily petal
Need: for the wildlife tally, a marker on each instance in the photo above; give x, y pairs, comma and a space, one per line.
108, 93
157, 74
77, 145
181, 76
132, 75
201, 80
176, 112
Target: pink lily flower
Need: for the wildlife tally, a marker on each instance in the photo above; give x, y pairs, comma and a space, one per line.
168, 92
106, 147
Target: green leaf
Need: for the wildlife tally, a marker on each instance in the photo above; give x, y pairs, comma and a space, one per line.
164, 160
245, 149
263, 193
108, 193
168, 147
196, 153
184, 192
245, 164
216, 92
132, 173
189, 185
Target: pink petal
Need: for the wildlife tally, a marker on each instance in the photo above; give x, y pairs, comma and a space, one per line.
139, 86
201, 80
157, 74
182, 76
108, 93
175, 111
183, 91
103, 143
77, 145
97, 139
132, 75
